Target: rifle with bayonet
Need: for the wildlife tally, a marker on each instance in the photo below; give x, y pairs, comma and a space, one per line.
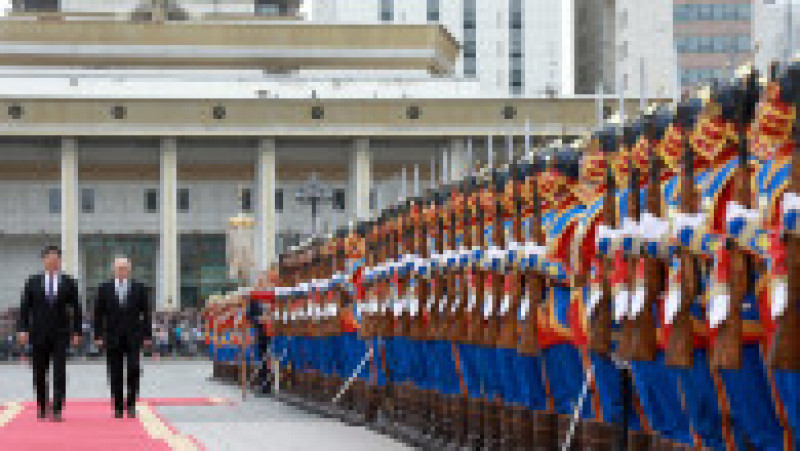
727, 349
680, 346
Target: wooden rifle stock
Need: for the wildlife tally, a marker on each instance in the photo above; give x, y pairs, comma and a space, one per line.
680, 346
509, 321
644, 325
727, 350
493, 322
626, 344
600, 321
532, 281
449, 317
462, 291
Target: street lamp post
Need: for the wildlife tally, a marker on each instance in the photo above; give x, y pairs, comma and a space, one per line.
313, 193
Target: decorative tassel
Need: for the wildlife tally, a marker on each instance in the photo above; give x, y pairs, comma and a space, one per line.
618, 286
488, 302
595, 287
639, 294
719, 301
672, 303
505, 305
779, 276
473, 298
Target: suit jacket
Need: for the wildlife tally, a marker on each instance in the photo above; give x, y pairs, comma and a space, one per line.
43, 320
115, 320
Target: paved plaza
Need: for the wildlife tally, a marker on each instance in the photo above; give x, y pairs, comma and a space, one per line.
253, 424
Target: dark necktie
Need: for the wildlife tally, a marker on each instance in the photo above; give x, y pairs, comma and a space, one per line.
122, 291
51, 292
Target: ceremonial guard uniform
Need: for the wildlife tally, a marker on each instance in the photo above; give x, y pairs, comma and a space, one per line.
656, 293
775, 143
564, 362
599, 245
536, 421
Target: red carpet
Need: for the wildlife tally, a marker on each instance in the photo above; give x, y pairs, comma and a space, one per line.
89, 424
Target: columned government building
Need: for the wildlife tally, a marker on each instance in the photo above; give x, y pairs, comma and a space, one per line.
141, 126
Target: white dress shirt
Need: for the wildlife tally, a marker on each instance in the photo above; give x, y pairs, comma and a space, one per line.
122, 289
55, 278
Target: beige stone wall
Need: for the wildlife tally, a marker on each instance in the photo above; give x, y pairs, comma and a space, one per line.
256, 117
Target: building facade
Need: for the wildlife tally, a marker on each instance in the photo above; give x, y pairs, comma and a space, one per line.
110, 196
712, 38
647, 61
776, 25
595, 46
512, 47
177, 8
126, 132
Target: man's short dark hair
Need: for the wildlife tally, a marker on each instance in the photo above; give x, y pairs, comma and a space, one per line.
51, 249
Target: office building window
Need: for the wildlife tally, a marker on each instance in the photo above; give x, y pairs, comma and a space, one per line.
246, 200
270, 8
339, 199
373, 199
713, 11
515, 18
691, 77
87, 200
387, 10
151, 200
278, 200
37, 5
470, 39
434, 10
183, 199
54, 200
516, 55
714, 44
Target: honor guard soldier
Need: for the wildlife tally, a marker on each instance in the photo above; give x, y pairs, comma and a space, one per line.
733, 310
685, 332
775, 144
596, 246
673, 251
537, 425
561, 356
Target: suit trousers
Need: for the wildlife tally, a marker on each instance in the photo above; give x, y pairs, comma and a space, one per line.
43, 353
125, 349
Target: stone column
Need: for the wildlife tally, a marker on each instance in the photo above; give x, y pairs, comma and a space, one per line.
445, 166
70, 207
360, 179
457, 159
169, 278
266, 214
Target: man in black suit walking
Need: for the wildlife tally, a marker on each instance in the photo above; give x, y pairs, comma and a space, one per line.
48, 301
122, 323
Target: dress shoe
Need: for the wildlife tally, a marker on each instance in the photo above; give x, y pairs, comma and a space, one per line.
118, 413
57, 416
132, 412
41, 414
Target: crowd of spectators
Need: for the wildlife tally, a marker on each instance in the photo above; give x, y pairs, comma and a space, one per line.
175, 334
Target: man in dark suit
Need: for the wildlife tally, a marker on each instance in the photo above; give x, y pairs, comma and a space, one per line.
123, 325
48, 301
